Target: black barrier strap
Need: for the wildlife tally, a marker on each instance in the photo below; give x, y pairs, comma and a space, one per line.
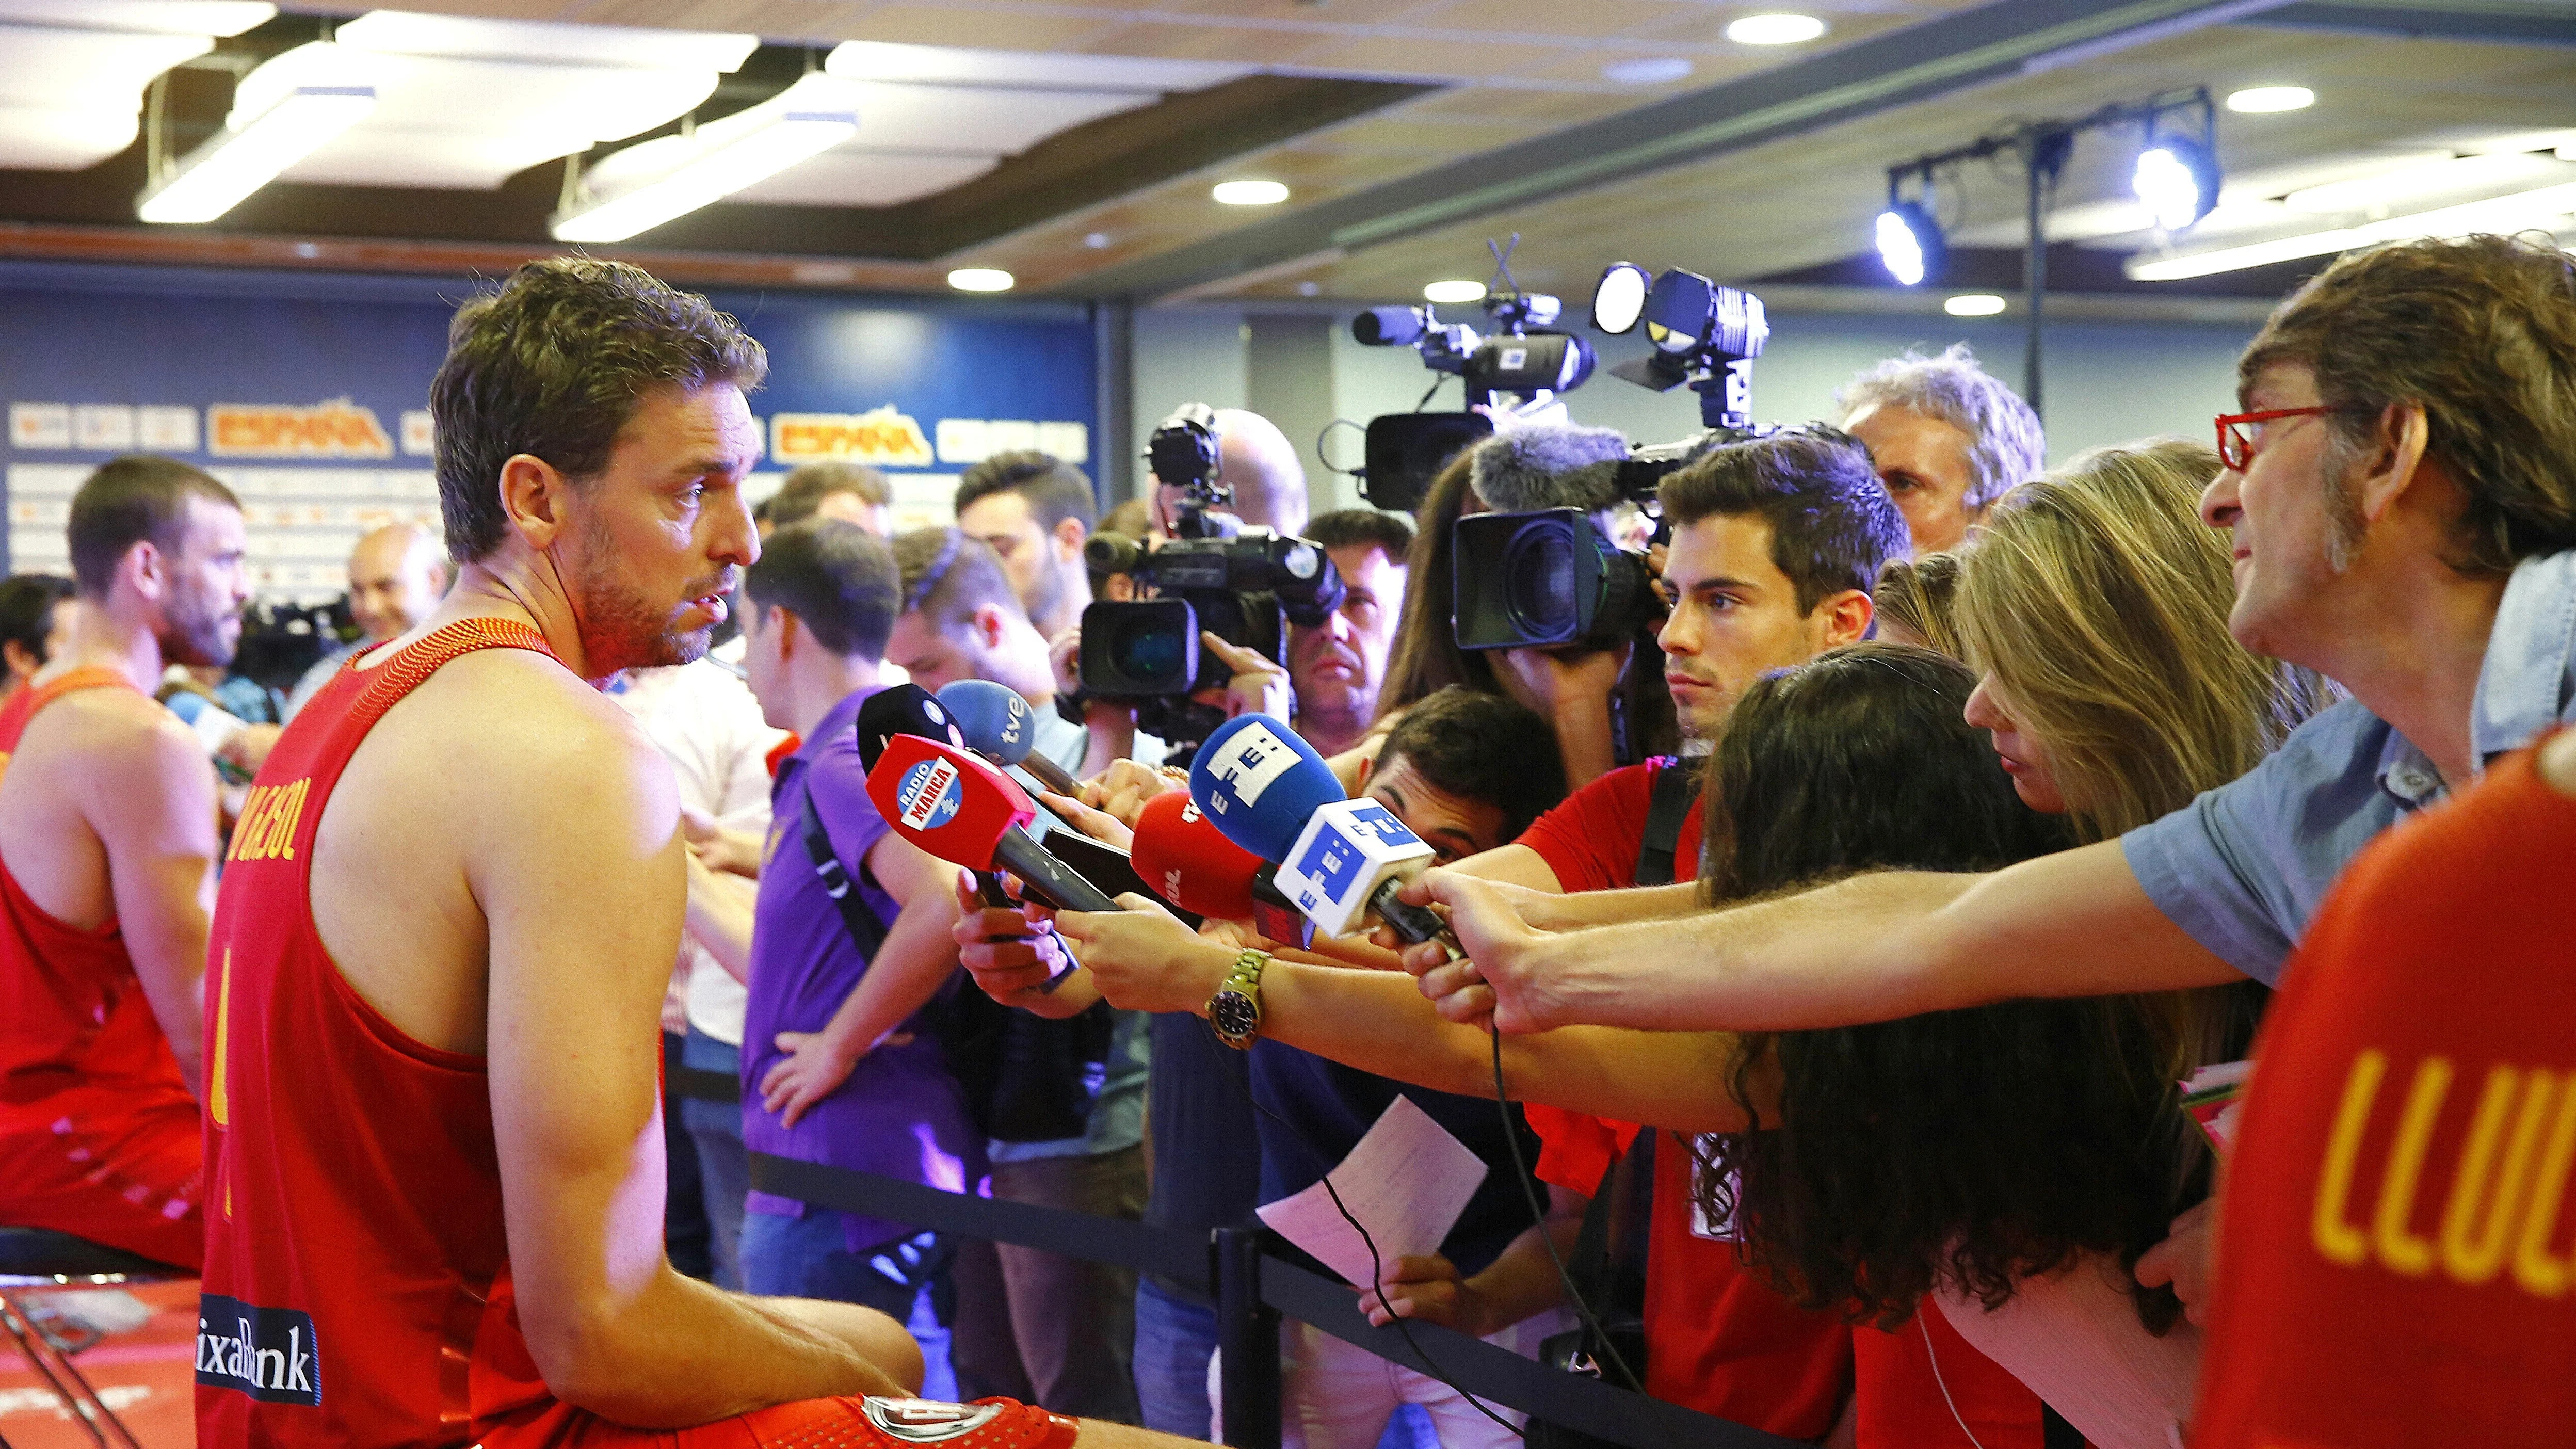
1180, 1257
704, 1086
1472, 1364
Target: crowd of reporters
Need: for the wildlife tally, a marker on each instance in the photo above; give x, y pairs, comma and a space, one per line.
1850, 938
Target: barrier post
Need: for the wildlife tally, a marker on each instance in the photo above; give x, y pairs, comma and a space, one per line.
1247, 1338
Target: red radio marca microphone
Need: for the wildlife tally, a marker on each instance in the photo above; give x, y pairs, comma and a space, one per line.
962, 810
1186, 860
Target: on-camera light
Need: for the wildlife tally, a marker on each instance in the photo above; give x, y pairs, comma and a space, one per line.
2177, 181
1909, 242
1619, 297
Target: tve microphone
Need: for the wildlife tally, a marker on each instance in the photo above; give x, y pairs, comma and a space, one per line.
1190, 863
1340, 860
1000, 725
963, 810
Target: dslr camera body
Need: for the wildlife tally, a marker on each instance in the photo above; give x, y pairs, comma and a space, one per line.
1244, 585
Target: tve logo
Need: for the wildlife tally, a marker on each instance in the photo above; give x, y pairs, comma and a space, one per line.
930, 795
267, 1353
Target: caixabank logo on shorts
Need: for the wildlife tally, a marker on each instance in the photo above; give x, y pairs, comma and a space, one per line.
267, 1353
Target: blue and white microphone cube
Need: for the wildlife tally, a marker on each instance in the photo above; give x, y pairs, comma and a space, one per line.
1348, 850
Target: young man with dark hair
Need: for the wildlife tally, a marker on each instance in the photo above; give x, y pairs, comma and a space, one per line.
107, 852
2405, 524
1338, 667
850, 492
1034, 511
1467, 770
441, 949
34, 622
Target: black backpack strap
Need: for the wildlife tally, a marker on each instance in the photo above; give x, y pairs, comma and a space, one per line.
864, 927
1676, 786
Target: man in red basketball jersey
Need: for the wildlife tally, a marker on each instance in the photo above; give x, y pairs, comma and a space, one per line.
434, 1198
2394, 1259
107, 847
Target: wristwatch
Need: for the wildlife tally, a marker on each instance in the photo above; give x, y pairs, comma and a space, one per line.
1235, 1010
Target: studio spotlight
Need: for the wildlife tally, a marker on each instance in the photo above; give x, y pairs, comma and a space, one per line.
1619, 297
2177, 181
1909, 242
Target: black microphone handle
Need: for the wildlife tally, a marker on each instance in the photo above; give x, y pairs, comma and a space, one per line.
1416, 924
1046, 877
1050, 774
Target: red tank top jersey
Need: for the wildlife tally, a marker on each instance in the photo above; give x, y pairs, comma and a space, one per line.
357, 1280
98, 1135
2398, 1249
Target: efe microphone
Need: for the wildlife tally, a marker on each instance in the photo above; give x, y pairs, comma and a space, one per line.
999, 724
963, 810
1340, 860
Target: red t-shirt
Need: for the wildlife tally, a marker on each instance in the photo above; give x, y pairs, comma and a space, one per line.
2396, 1249
1591, 838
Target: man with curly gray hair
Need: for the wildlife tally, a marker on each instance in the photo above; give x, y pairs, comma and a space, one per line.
1948, 438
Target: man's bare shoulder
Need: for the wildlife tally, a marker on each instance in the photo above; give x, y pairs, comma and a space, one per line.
108, 734
506, 719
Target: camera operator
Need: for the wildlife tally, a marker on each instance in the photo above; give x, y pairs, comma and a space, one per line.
1259, 463
1034, 511
1338, 667
1948, 438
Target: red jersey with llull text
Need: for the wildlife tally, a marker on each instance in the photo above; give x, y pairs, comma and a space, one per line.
2398, 1248
98, 1135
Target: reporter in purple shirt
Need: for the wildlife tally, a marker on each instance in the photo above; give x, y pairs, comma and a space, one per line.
838, 1066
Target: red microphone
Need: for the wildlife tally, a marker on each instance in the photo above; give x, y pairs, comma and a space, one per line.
962, 810
1187, 861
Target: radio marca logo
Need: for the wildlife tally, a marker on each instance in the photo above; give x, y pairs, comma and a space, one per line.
930, 795
338, 428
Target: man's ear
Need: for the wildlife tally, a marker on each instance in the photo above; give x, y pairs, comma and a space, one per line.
2395, 459
147, 569
787, 629
1846, 618
986, 622
532, 499
1070, 535
18, 659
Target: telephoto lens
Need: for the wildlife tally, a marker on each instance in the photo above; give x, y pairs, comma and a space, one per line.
1546, 578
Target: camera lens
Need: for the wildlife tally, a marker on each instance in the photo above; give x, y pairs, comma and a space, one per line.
1145, 648
1539, 581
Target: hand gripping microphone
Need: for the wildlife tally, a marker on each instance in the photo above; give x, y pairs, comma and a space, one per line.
1000, 725
1340, 860
1190, 863
963, 810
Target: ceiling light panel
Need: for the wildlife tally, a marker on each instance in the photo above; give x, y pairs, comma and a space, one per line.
850, 176
2453, 178
450, 115
72, 79
978, 118
1022, 69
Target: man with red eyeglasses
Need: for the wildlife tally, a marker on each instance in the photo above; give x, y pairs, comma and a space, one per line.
2403, 504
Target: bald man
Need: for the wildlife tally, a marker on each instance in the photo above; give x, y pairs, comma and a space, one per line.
397, 574
1258, 462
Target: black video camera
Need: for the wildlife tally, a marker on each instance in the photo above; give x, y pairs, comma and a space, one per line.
1244, 585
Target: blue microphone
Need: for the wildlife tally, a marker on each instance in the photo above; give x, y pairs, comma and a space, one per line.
1340, 860
1000, 725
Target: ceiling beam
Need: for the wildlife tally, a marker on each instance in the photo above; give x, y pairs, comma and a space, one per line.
1990, 42
2491, 24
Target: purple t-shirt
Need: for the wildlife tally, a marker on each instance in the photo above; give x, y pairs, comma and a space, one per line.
900, 1113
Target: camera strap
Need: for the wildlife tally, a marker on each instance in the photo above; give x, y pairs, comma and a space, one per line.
1667, 805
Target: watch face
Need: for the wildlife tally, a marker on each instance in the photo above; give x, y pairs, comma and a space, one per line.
1234, 1015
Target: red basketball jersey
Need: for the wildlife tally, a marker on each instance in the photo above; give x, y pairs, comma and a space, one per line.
2395, 1263
357, 1280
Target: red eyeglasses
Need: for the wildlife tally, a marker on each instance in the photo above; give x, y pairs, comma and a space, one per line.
2236, 450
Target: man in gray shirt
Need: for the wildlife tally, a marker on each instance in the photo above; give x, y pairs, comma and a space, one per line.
2401, 494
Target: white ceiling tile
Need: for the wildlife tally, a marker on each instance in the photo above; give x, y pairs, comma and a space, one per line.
865, 178
408, 33
35, 138
161, 17
875, 60
94, 70
976, 118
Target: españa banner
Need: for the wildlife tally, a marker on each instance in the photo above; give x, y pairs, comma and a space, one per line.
881, 436
339, 428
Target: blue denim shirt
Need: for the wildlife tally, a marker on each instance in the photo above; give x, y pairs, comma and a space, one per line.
2242, 868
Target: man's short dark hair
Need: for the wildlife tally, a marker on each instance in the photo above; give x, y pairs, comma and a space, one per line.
837, 577
127, 501
1363, 527
27, 610
947, 574
807, 487
552, 365
1832, 524
1056, 489
1483, 747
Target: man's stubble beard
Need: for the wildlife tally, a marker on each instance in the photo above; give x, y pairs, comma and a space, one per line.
620, 627
195, 632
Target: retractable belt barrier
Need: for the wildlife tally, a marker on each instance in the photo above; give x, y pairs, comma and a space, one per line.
1569, 1400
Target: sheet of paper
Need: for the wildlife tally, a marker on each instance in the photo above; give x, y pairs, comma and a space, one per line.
1407, 1181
